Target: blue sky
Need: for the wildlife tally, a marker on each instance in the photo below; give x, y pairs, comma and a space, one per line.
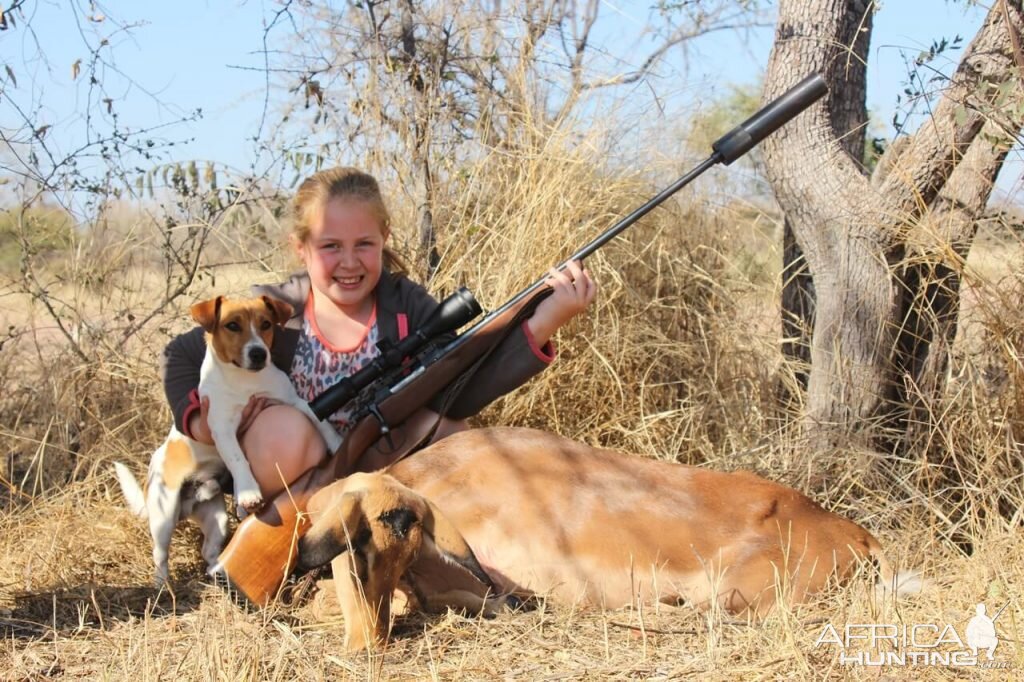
206, 55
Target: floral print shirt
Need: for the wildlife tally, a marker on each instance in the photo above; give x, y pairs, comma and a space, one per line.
318, 365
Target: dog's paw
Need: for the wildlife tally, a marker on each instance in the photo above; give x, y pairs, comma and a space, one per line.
217, 575
161, 579
249, 500
208, 490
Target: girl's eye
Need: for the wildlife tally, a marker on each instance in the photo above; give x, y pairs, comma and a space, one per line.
265, 325
234, 326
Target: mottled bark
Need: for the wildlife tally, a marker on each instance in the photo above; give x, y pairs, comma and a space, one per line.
848, 113
942, 141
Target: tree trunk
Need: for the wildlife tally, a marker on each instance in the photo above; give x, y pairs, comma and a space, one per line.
419, 142
853, 233
848, 113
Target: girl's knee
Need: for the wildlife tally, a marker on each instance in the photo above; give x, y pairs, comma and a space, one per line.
281, 444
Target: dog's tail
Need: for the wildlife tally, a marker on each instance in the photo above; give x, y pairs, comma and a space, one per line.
133, 492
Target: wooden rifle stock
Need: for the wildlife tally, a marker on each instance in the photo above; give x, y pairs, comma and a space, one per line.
262, 552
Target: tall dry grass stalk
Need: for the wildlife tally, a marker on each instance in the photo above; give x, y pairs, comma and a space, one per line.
678, 359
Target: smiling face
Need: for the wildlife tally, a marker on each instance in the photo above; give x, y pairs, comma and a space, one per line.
344, 253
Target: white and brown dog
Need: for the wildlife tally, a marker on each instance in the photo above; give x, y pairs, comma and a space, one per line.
185, 476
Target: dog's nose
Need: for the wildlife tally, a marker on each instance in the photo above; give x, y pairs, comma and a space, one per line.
317, 551
257, 356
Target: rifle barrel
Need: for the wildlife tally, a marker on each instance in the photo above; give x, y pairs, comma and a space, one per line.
727, 149
769, 118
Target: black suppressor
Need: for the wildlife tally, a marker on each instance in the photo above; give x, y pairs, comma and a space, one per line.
743, 137
454, 311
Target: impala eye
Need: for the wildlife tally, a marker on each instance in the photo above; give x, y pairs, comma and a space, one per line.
234, 326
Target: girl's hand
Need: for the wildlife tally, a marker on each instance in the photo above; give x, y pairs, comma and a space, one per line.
251, 411
572, 292
198, 423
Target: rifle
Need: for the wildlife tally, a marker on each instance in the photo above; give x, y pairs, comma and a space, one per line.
390, 390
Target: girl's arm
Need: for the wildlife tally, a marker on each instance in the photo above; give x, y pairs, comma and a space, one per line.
523, 354
528, 349
181, 362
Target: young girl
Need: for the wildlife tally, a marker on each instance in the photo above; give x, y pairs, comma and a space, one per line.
352, 295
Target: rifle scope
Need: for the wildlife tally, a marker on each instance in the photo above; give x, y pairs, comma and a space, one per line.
452, 313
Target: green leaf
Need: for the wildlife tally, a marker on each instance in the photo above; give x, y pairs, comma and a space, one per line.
960, 115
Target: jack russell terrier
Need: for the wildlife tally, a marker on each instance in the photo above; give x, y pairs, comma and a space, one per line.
185, 476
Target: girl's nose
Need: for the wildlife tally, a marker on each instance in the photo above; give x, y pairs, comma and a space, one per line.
346, 258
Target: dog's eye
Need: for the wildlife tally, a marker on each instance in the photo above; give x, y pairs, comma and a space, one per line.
265, 325
234, 326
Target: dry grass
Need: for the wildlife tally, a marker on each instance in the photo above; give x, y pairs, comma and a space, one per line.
678, 360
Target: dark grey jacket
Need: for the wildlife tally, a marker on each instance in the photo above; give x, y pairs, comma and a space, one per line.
402, 306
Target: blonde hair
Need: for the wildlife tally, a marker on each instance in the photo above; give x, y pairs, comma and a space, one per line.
343, 182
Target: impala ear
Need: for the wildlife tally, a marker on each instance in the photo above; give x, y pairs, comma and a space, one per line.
452, 546
207, 313
336, 531
279, 310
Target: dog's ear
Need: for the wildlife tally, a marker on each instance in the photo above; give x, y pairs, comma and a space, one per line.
207, 313
336, 531
280, 311
450, 543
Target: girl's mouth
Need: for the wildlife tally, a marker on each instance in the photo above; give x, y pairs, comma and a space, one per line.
349, 281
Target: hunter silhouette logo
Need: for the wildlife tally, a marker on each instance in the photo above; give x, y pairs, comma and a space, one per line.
918, 644
981, 631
